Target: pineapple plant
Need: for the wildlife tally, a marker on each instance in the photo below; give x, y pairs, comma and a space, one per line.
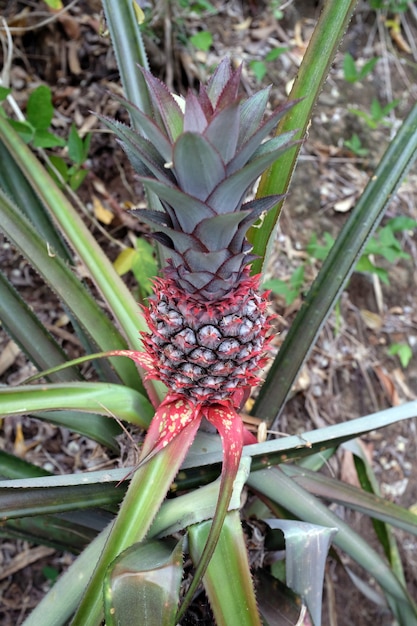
207, 318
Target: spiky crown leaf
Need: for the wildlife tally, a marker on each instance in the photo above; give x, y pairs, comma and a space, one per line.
201, 162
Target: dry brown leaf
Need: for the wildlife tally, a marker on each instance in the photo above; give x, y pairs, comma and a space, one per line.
343, 206
399, 378
23, 559
388, 385
243, 25
8, 356
101, 213
372, 320
348, 473
73, 61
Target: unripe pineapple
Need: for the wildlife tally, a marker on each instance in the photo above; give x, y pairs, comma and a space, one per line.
207, 321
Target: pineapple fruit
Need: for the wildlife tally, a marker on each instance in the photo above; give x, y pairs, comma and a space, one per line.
208, 321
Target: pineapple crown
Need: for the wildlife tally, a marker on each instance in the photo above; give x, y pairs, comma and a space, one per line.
200, 156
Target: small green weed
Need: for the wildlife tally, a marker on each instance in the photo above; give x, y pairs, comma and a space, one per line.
392, 6
34, 131
403, 351
354, 74
202, 40
384, 244
377, 114
355, 145
259, 68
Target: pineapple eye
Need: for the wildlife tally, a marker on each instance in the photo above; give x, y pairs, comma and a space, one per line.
209, 336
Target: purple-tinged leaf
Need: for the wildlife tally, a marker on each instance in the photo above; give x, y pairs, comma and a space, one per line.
232, 190
223, 131
195, 120
218, 81
140, 149
215, 233
197, 165
150, 130
158, 218
188, 210
205, 102
167, 113
229, 94
253, 210
247, 150
252, 111
200, 261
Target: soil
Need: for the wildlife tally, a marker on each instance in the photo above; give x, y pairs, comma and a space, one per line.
349, 373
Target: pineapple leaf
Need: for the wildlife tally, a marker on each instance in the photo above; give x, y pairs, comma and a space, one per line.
229, 93
142, 151
249, 149
195, 120
251, 113
218, 81
148, 127
197, 165
188, 211
230, 192
167, 113
201, 261
216, 232
223, 131
254, 210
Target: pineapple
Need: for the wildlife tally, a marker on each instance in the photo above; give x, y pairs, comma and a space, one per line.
208, 323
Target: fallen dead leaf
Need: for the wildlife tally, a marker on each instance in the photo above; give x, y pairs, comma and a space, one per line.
8, 356
23, 559
388, 385
343, 206
372, 320
105, 216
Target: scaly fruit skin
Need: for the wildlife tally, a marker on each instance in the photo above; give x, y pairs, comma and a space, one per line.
206, 350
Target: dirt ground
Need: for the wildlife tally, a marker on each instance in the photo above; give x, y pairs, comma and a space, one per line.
350, 373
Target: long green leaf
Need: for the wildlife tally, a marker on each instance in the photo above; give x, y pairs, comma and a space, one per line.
308, 83
103, 398
334, 490
30, 334
64, 282
18, 189
129, 50
337, 269
228, 580
196, 469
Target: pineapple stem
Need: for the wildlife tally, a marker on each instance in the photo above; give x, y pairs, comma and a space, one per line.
230, 428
